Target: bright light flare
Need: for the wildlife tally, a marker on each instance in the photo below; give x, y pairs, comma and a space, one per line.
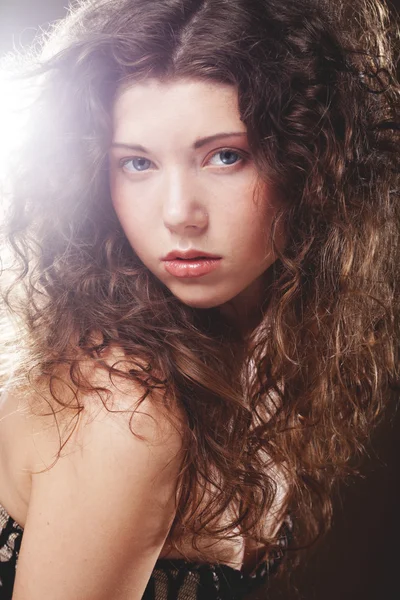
15, 98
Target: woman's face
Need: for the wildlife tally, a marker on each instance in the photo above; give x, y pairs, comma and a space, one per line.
182, 178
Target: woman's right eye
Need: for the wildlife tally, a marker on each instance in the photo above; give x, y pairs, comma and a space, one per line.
137, 164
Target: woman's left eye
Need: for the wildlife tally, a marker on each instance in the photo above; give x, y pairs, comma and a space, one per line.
227, 158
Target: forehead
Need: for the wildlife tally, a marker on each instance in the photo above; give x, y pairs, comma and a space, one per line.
178, 109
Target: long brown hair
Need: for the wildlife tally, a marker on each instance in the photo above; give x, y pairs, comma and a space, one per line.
318, 94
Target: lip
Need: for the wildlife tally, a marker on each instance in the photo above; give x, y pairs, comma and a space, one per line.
190, 268
188, 254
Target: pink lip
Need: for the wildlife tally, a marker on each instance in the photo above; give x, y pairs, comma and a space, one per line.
191, 268
188, 254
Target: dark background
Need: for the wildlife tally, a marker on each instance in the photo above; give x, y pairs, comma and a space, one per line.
360, 557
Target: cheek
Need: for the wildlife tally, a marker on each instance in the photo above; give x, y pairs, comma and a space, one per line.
258, 227
129, 208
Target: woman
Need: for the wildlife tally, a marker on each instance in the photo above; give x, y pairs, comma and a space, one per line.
204, 239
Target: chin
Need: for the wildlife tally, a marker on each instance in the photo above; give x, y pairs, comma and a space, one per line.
204, 304
200, 302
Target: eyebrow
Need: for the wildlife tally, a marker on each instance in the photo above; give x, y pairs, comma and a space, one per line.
198, 143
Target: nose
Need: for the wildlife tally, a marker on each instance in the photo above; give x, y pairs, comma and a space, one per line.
184, 209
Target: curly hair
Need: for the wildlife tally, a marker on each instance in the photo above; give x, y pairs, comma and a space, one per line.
318, 94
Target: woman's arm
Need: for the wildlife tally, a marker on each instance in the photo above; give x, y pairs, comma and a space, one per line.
98, 519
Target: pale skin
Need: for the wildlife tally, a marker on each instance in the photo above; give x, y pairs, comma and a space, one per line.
102, 513
96, 520
182, 176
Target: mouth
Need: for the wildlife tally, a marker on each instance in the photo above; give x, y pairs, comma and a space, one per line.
189, 268
194, 258
192, 254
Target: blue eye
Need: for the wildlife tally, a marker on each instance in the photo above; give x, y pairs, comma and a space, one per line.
228, 157
138, 164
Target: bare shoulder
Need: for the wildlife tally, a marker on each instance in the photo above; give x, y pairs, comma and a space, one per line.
111, 489
67, 417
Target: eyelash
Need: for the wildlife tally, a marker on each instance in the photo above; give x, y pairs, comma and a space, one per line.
242, 156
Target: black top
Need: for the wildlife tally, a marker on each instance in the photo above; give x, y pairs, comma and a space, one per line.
171, 579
